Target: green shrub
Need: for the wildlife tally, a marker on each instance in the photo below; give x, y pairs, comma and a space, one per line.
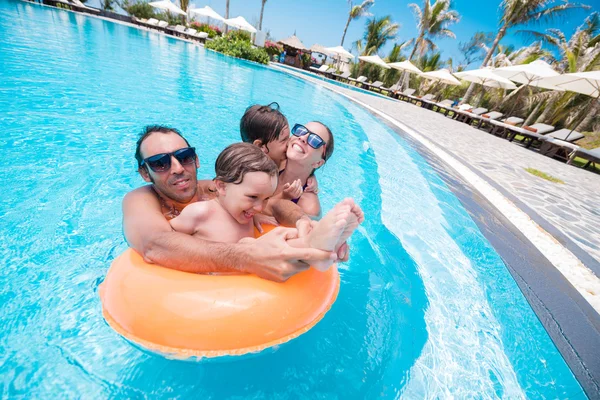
239, 35
140, 10
213, 31
231, 45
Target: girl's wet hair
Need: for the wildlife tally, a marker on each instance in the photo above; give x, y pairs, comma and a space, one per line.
240, 158
263, 123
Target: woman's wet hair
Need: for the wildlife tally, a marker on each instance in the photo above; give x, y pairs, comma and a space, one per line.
263, 123
240, 158
329, 143
147, 131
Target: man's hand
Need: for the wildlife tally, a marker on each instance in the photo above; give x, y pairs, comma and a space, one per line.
260, 219
292, 190
270, 257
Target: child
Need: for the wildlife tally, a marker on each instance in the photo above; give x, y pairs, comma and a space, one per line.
245, 179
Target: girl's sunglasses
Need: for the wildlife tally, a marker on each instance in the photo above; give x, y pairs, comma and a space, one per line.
162, 162
313, 140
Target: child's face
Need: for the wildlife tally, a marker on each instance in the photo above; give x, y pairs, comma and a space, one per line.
247, 198
278, 147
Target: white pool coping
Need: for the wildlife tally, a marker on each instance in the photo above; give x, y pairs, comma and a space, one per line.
581, 277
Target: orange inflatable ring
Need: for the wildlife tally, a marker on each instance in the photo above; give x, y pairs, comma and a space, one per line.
186, 315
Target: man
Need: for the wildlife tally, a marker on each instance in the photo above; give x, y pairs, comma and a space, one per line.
166, 160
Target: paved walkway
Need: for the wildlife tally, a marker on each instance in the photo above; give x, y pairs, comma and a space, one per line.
573, 207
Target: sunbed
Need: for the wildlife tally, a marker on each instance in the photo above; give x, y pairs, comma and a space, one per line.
360, 80
406, 94
163, 24
79, 6
374, 85
443, 106
487, 117
329, 72
468, 116
321, 69
592, 156
391, 90
342, 77
425, 100
530, 134
559, 143
499, 126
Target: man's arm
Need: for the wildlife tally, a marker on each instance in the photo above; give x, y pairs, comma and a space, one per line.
287, 213
150, 234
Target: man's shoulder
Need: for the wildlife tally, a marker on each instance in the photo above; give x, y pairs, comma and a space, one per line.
139, 194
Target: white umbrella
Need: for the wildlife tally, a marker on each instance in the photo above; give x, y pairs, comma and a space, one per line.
374, 60
486, 77
405, 66
531, 74
240, 23
442, 75
167, 6
587, 83
579, 82
207, 12
340, 51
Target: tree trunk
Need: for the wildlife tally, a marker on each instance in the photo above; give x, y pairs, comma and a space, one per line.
345, 29
226, 15
487, 58
533, 114
546, 113
592, 112
262, 10
406, 75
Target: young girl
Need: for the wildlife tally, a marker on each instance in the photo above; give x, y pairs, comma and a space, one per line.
267, 128
245, 179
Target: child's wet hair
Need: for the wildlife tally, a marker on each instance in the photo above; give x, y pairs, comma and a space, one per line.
240, 158
263, 123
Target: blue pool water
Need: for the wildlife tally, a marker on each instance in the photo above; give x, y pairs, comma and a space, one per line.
426, 308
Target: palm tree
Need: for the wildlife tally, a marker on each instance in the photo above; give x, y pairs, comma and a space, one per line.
523, 12
377, 33
356, 12
226, 14
581, 53
391, 76
433, 21
262, 10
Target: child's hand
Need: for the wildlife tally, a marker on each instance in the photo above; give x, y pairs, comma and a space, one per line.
292, 191
260, 219
312, 185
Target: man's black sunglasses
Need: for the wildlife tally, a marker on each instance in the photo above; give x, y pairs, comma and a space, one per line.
162, 162
313, 140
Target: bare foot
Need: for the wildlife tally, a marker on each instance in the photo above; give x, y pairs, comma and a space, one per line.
326, 234
355, 218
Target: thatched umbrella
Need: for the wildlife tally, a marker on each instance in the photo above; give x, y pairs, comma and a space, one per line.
292, 46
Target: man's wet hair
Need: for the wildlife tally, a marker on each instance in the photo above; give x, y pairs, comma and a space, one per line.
240, 158
147, 131
263, 123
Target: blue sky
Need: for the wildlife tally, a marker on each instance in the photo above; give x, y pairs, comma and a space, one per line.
322, 21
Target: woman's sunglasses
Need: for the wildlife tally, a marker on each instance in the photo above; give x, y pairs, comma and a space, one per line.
162, 162
313, 140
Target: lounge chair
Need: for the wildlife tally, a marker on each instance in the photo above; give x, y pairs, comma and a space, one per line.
191, 32
82, 7
342, 77
559, 144
486, 117
152, 22
329, 73
202, 36
162, 24
426, 100
358, 81
531, 134
443, 106
374, 85
592, 156
468, 116
321, 69
499, 126
406, 94
391, 90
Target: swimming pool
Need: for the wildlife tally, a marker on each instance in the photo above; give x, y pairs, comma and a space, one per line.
426, 308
